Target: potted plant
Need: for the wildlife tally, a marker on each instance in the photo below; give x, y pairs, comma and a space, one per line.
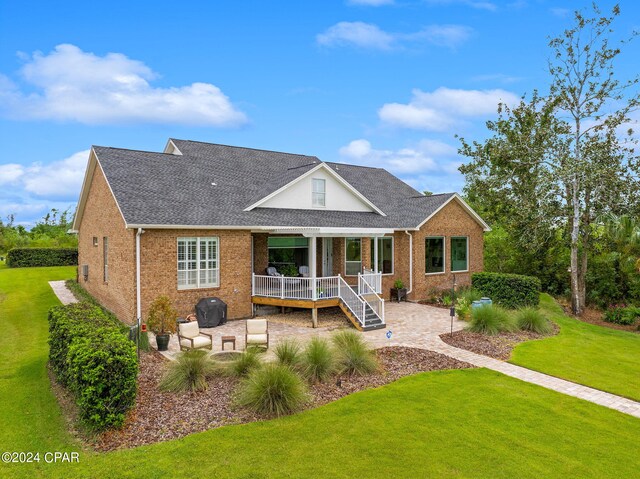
398, 290
161, 320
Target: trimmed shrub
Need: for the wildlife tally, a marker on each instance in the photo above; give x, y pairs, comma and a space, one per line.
490, 319
245, 363
318, 362
104, 368
274, 390
93, 358
30, 257
65, 324
288, 352
353, 357
508, 290
189, 372
530, 319
83, 295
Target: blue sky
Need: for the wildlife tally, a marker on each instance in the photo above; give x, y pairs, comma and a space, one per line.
375, 82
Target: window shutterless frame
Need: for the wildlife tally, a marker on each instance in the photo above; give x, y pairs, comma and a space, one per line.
444, 254
198, 262
352, 266
105, 259
318, 193
455, 253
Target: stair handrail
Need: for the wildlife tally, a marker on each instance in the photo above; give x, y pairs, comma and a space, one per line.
378, 300
347, 295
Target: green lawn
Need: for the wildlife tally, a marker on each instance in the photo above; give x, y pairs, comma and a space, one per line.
602, 358
465, 423
29, 414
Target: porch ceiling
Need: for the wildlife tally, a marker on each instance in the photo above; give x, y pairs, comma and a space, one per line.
310, 232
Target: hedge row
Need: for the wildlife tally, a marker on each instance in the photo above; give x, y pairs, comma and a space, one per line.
508, 290
30, 257
94, 359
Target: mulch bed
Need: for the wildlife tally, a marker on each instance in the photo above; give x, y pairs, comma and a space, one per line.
499, 346
160, 416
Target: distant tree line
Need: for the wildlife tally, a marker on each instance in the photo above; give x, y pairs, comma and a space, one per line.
49, 232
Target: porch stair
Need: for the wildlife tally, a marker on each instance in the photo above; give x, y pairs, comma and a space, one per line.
351, 301
371, 320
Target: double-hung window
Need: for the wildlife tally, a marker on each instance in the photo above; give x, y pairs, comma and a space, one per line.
318, 195
198, 263
459, 253
353, 256
385, 255
434, 255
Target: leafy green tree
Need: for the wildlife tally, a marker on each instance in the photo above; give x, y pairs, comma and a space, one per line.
557, 163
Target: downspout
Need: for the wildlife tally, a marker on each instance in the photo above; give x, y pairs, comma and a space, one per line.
138, 301
410, 262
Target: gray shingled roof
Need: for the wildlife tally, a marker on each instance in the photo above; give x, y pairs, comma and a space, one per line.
163, 189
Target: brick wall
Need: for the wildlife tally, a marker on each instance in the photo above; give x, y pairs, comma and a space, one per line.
159, 270
102, 218
452, 220
260, 252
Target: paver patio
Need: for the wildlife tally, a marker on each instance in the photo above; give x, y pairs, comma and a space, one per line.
411, 325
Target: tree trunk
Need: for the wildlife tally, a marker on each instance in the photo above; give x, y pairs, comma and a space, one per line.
576, 303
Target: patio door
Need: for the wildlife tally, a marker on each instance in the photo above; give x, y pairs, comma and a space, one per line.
327, 256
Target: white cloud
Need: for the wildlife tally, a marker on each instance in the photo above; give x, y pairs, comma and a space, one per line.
359, 34
10, 173
443, 35
477, 4
425, 156
443, 108
59, 179
560, 12
370, 3
71, 84
370, 36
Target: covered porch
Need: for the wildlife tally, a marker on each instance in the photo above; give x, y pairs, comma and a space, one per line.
320, 267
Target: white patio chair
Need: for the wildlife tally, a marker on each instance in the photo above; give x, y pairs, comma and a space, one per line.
257, 333
304, 271
190, 337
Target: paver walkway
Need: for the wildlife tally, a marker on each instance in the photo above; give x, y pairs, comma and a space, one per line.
411, 325
62, 292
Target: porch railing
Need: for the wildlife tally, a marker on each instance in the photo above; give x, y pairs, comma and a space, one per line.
355, 303
283, 287
359, 302
373, 279
370, 296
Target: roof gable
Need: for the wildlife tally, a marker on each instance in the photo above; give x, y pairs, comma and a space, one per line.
340, 195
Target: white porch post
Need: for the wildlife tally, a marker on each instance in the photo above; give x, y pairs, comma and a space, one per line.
312, 268
375, 255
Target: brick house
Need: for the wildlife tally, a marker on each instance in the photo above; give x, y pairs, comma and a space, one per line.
200, 220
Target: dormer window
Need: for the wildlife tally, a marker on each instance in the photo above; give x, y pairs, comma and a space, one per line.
318, 196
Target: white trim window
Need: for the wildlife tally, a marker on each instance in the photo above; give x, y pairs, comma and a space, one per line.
352, 256
319, 193
385, 254
459, 254
198, 263
105, 259
434, 254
